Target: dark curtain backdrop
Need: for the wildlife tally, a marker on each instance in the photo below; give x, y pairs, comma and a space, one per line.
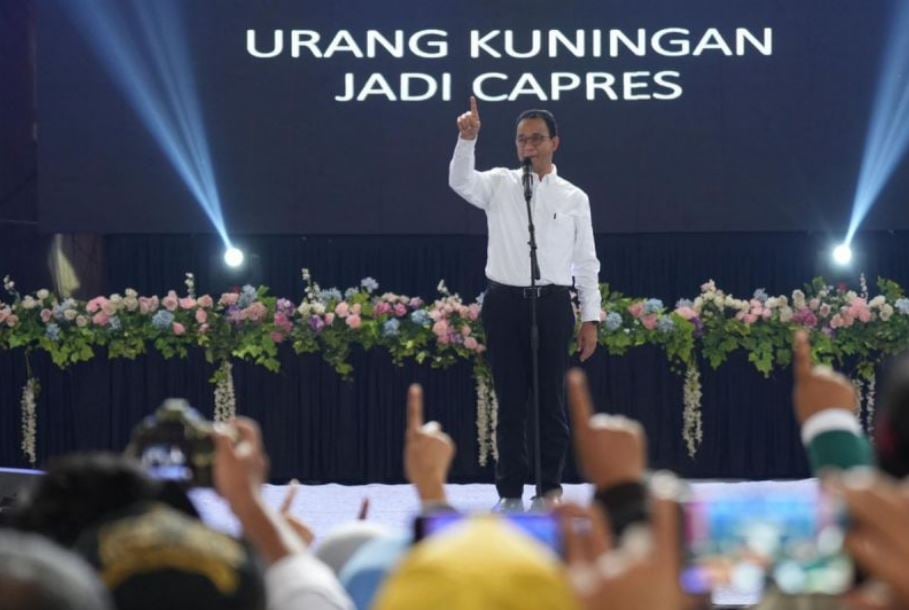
320, 428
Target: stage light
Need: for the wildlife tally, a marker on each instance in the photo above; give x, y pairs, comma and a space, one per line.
888, 128
842, 255
233, 257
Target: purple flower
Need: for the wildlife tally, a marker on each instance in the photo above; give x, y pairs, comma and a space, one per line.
698, 327
316, 324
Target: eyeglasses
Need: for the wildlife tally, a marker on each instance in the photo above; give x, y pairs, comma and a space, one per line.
536, 139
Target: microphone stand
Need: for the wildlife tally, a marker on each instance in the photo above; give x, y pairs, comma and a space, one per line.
534, 329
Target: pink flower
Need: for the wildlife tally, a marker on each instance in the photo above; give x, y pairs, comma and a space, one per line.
4, 314
749, 318
229, 298
859, 309
465, 330
170, 302
836, 321
342, 310
440, 328
636, 309
46, 315
400, 310
813, 304
767, 314
179, 329
353, 321
650, 321
100, 319
187, 303
416, 302
824, 310
471, 344
256, 312
383, 309
95, 304
277, 337
473, 312
109, 308
203, 329
686, 312
205, 301
329, 318
201, 316
12, 320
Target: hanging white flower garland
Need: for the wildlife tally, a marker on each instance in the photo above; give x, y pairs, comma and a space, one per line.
487, 419
30, 392
225, 399
692, 430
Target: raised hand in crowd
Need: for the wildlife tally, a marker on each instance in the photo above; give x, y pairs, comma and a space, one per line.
818, 388
469, 122
611, 449
642, 574
240, 469
428, 451
301, 529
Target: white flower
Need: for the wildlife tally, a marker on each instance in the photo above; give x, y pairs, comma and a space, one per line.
877, 301
70, 314
318, 309
851, 296
304, 308
43, 294
131, 303
132, 294
772, 303
783, 300
729, 301
785, 314
29, 303
798, 299
115, 298
886, 312
698, 304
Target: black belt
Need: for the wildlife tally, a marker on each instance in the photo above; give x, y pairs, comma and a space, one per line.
526, 291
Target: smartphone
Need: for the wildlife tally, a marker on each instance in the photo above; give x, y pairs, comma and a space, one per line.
542, 527
737, 537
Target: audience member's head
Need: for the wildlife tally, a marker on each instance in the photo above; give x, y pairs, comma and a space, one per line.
78, 491
483, 563
340, 545
36, 574
152, 556
892, 426
365, 573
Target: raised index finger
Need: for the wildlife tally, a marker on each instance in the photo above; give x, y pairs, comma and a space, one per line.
802, 355
473, 107
580, 401
415, 407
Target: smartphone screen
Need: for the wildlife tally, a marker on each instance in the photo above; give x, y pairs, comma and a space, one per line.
166, 462
737, 537
542, 527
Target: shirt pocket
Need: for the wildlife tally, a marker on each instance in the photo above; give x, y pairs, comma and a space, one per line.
559, 229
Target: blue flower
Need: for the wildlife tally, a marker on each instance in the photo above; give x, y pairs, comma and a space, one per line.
653, 306
247, 297
421, 317
760, 294
666, 325
115, 324
350, 293
683, 303
369, 284
332, 294
390, 328
53, 332
902, 306
163, 319
613, 321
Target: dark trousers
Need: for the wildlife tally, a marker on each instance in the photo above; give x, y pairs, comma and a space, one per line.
506, 321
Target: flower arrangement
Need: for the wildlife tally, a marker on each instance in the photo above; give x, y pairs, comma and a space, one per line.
848, 328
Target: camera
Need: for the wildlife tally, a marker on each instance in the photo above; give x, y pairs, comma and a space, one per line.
175, 444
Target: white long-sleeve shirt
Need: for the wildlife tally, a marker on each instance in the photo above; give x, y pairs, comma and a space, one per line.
561, 216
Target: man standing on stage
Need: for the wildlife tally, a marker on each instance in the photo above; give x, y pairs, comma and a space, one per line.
564, 233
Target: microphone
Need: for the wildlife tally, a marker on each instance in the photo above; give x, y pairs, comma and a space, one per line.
528, 179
